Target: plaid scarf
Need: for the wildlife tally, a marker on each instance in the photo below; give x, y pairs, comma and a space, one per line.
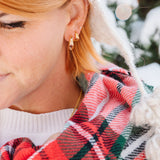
100, 128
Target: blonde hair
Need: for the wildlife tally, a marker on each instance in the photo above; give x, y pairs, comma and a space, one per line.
83, 57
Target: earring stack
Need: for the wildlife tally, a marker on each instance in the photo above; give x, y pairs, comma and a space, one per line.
71, 41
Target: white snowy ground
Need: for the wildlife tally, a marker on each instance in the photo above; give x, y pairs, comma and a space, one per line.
150, 74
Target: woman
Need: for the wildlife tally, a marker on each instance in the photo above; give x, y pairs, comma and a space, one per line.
55, 103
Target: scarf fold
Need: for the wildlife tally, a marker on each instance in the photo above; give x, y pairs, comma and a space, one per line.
100, 128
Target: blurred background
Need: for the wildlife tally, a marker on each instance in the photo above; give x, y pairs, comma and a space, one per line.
142, 30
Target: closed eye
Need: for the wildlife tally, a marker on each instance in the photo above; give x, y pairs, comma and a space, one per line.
20, 24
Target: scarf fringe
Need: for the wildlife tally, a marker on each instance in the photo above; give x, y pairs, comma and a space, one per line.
148, 112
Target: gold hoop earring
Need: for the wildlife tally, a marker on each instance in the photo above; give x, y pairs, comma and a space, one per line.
71, 44
71, 41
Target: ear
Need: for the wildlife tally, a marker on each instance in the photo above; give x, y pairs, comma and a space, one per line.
78, 10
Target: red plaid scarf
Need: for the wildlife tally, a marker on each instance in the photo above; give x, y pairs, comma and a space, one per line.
100, 129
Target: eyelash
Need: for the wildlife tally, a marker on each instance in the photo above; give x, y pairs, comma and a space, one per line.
14, 25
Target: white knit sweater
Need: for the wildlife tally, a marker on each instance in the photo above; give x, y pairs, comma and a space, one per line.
37, 127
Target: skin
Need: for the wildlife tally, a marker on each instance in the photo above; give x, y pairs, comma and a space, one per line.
34, 57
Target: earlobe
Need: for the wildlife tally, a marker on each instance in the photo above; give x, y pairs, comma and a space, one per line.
78, 10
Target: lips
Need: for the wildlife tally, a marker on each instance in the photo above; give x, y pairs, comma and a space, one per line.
2, 76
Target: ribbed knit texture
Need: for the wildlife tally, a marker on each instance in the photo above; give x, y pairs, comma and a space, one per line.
15, 124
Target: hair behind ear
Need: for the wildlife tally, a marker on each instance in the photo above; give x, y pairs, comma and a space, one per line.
83, 58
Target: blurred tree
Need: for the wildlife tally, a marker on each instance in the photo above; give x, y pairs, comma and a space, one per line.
143, 31
146, 5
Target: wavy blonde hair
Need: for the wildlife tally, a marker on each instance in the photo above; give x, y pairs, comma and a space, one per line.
83, 57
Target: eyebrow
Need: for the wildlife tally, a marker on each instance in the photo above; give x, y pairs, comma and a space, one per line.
3, 14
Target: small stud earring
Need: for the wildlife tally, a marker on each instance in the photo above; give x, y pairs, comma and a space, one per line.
76, 36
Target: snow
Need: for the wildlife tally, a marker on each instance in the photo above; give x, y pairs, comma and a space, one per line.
151, 26
141, 31
97, 46
138, 53
133, 3
111, 48
150, 74
111, 21
136, 29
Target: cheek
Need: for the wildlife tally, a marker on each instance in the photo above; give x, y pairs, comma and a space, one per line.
29, 65
38, 60
32, 57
